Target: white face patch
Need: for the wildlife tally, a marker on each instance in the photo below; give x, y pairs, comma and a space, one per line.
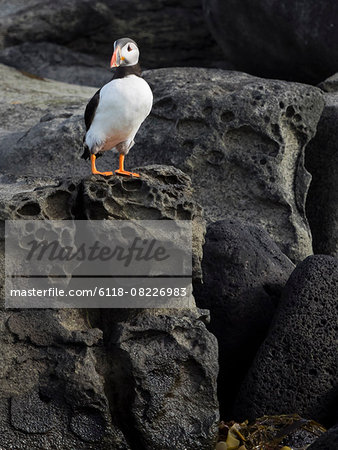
129, 54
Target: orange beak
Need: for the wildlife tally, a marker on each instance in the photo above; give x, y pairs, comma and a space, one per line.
115, 60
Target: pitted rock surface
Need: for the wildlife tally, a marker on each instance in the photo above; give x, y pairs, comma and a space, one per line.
162, 192
55, 362
241, 139
296, 366
168, 370
244, 273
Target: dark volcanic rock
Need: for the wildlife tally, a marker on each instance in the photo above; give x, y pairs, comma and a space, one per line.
296, 367
150, 380
328, 441
322, 162
38, 199
161, 193
279, 39
244, 273
241, 139
58, 63
47, 381
169, 33
168, 370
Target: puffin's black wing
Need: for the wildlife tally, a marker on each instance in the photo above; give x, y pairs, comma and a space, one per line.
91, 108
89, 116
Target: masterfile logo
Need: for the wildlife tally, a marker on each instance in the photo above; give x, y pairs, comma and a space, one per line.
57, 263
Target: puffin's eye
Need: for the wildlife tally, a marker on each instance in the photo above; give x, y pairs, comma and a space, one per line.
129, 48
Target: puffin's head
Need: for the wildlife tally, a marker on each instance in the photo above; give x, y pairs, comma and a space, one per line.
126, 53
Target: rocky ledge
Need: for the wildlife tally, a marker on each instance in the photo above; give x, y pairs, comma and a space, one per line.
119, 379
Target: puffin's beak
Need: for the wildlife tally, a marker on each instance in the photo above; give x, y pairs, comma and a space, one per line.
115, 60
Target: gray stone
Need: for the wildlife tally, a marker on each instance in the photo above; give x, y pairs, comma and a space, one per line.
296, 366
56, 367
277, 39
168, 33
161, 193
241, 139
26, 98
322, 163
31, 414
244, 273
330, 84
46, 380
57, 62
167, 370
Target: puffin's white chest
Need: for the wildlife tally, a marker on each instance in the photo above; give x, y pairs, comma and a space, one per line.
123, 106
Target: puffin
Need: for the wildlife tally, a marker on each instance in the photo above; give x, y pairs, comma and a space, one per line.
115, 113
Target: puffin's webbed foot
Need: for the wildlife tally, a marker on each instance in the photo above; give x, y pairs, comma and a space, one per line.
95, 171
121, 171
126, 173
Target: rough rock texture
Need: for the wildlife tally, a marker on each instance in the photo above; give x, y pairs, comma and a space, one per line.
296, 367
154, 372
330, 84
161, 193
167, 379
328, 441
58, 63
168, 32
279, 38
52, 392
244, 273
38, 199
241, 139
322, 162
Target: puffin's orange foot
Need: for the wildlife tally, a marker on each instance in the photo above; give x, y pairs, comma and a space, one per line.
126, 173
106, 174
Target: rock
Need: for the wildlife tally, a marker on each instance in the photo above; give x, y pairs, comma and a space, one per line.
167, 370
330, 84
92, 27
244, 273
38, 199
31, 414
328, 441
322, 163
57, 62
47, 383
162, 192
74, 378
295, 368
27, 98
241, 139
283, 39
